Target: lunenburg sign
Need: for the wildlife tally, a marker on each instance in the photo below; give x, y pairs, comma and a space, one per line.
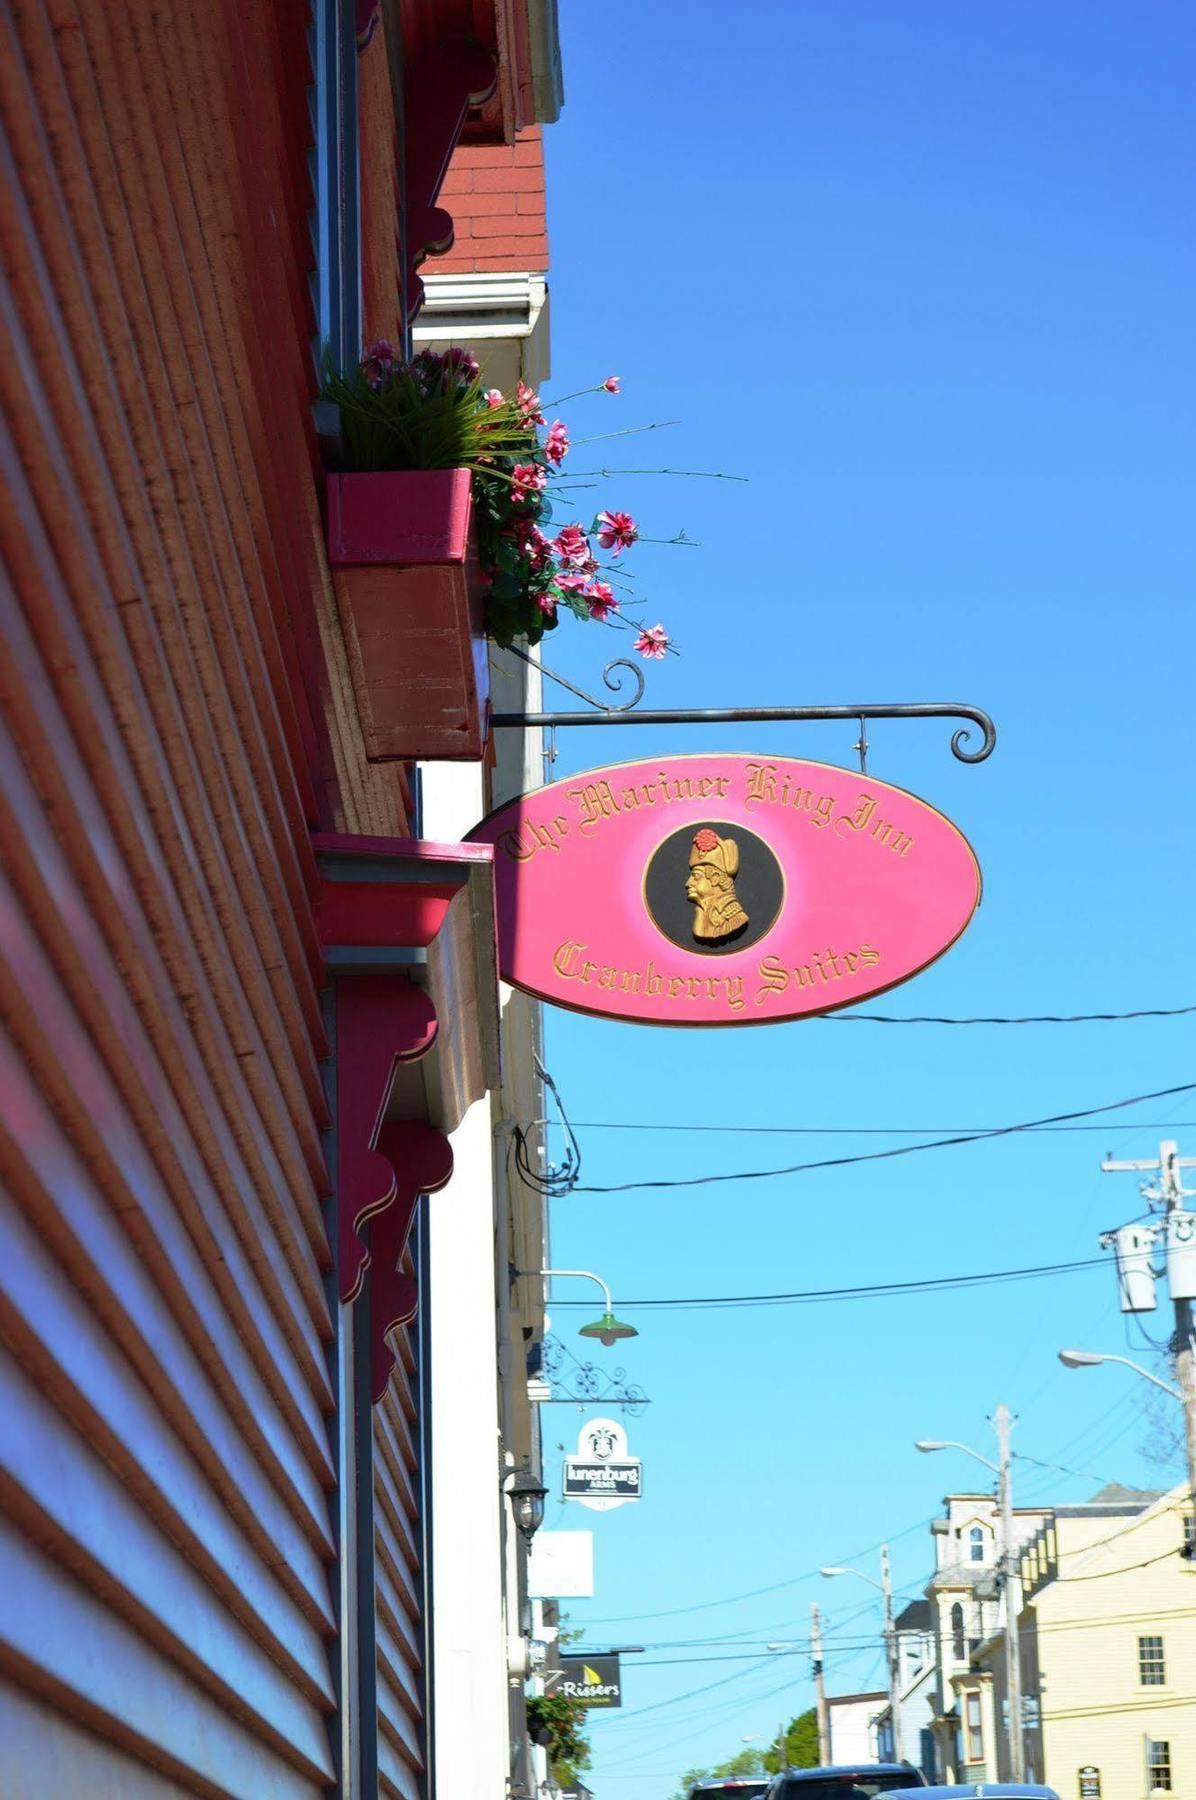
723, 890
601, 1474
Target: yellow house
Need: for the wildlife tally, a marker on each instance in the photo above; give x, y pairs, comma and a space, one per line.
1108, 1641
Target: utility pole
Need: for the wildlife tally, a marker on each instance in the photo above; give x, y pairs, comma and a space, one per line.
886, 1587
1178, 1230
1011, 1580
824, 1724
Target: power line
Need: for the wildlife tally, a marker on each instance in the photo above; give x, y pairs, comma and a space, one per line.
930, 1284
844, 1130
1106, 1018
894, 1537
1097, 1622
1108, 1574
1062, 1468
838, 1162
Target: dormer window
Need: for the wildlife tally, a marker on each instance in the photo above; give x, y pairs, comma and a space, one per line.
976, 1545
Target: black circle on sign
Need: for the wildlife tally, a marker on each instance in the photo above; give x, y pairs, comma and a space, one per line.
759, 887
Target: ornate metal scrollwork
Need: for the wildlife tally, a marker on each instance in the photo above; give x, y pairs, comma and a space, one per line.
613, 682
592, 1385
629, 712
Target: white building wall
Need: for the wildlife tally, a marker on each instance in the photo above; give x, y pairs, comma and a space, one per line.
853, 1720
470, 1682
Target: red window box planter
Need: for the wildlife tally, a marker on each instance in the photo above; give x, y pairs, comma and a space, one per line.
411, 601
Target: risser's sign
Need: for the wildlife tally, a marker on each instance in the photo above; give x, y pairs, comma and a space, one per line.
723, 890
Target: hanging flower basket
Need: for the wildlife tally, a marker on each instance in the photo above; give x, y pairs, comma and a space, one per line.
411, 600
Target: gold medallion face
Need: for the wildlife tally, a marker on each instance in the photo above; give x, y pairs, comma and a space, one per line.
713, 888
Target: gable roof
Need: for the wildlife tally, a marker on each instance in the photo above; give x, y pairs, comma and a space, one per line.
914, 1617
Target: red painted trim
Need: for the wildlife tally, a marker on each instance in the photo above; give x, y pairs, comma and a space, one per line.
399, 516
381, 1021
439, 90
422, 1160
383, 913
401, 908
340, 843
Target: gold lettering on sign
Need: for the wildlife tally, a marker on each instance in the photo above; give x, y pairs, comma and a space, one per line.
597, 801
572, 963
879, 830
529, 837
823, 968
768, 785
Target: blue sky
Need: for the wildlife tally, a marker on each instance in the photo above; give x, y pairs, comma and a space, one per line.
925, 274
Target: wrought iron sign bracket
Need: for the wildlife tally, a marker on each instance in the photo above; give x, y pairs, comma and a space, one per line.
628, 712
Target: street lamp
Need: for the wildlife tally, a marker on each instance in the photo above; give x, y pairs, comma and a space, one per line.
608, 1330
885, 1586
925, 1445
1088, 1359
527, 1495
1002, 1423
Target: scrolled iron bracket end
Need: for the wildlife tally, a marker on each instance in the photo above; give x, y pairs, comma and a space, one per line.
615, 683
960, 738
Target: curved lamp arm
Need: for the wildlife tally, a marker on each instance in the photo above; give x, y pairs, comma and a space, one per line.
582, 1274
859, 1574
926, 1444
1086, 1359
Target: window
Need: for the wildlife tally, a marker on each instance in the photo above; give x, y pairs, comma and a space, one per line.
1189, 1549
1152, 1666
959, 1649
976, 1543
1158, 1764
336, 283
975, 1731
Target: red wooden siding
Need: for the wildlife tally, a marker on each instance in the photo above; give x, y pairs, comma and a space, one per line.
176, 715
397, 1552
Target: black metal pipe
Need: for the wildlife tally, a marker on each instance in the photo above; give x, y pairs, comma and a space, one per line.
765, 715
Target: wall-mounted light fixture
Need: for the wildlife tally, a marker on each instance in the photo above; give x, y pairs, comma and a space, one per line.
608, 1330
527, 1495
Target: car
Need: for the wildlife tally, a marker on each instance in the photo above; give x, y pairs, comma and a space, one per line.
730, 1787
846, 1781
983, 1790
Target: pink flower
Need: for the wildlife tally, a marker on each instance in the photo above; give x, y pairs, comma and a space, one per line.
462, 363
571, 584
611, 384
529, 404
493, 398
556, 444
536, 546
377, 362
616, 531
601, 600
547, 602
528, 479
653, 641
428, 368
572, 547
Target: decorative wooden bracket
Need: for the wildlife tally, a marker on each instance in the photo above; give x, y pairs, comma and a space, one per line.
384, 1165
381, 1022
439, 89
383, 903
422, 1160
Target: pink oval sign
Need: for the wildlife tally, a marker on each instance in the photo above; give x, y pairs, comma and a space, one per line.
723, 890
